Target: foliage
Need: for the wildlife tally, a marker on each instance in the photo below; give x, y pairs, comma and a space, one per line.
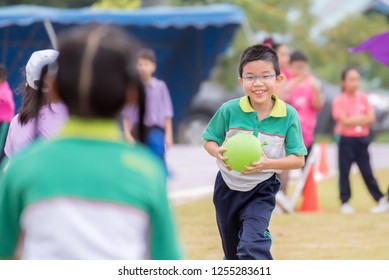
290, 22
128, 4
50, 3
350, 33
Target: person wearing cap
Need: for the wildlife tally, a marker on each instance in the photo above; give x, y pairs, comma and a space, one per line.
7, 108
40, 115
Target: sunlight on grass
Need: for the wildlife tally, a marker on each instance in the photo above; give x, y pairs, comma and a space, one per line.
322, 235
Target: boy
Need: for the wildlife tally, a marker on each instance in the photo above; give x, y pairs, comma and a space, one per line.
159, 109
304, 96
7, 107
244, 201
87, 194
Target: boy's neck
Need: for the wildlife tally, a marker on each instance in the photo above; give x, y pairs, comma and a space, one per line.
147, 80
263, 109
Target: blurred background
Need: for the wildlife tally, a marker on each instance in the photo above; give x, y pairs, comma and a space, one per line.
198, 43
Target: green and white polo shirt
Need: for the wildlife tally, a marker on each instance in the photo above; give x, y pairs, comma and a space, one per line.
280, 130
86, 195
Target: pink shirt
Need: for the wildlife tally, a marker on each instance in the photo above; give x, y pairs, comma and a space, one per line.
7, 105
301, 98
287, 74
351, 106
49, 125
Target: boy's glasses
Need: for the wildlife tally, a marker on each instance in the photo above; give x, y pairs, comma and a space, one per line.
262, 78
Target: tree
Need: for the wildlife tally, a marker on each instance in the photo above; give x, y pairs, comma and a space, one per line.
50, 3
332, 56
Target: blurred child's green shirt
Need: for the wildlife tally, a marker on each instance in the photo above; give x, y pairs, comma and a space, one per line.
86, 195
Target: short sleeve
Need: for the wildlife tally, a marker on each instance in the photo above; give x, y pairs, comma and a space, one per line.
216, 128
166, 99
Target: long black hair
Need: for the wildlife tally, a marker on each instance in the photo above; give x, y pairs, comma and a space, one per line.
33, 100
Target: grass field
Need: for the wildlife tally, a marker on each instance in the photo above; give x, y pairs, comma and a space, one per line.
325, 235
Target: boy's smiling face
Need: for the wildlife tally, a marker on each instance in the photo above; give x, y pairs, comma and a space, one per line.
261, 89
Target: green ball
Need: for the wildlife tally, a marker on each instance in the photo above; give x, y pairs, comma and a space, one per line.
242, 150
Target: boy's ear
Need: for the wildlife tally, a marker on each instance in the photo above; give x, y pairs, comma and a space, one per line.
279, 79
240, 80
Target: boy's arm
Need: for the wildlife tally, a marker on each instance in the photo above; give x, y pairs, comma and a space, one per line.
168, 132
216, 151
127, 131
317, 101
286, 163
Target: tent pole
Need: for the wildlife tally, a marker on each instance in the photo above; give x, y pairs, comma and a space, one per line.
51, 33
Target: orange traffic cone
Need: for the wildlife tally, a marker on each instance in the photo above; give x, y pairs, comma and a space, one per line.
310, 199
322, 166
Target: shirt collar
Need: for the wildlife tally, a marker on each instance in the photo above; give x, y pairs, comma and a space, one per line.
101, 129
278, 111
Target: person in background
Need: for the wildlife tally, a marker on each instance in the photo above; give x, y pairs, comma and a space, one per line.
283, 53
354, 115
7, 108
244, 201
305, 96
86, 193
41, 115
159, 109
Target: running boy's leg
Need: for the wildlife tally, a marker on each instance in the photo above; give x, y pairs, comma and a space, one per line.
227, 217
255, 238
363, 162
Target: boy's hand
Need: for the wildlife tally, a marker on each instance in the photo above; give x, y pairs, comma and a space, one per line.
129, 138
260, 165
222, 158
168, 141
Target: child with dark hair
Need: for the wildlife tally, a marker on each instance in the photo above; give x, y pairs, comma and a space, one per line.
158, 111
244, 201
305, 96
7, 107
40, 115
283, 55
354, 115
87, 194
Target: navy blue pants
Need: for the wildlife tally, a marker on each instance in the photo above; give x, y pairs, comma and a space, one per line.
155, 140
350, 150
243, 219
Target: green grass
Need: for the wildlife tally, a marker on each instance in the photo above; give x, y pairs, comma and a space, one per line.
322, 235
382, 137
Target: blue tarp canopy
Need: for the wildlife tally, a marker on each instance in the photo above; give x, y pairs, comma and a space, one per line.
187, 40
